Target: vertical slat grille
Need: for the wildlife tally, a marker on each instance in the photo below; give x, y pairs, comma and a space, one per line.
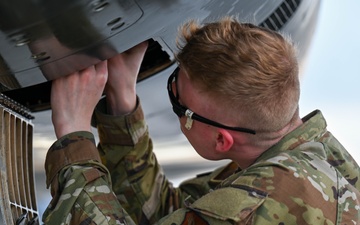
281, 15
17, 201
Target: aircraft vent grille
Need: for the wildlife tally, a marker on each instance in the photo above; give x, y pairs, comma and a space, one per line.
281, 15
17, 193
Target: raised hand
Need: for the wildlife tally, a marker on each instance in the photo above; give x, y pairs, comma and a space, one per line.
74, 97
123, 70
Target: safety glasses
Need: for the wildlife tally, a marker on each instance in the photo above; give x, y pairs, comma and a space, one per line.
181, 110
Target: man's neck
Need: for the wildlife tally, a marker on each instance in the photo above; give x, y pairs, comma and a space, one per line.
250, 152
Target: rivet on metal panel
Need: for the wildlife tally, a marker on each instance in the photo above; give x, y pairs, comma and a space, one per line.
42, 56
114, 21
99, 5
22, 42
117, 26
20, 39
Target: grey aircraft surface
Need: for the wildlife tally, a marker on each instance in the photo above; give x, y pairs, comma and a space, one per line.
43, 40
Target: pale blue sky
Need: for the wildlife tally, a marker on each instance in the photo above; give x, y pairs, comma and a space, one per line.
331, 76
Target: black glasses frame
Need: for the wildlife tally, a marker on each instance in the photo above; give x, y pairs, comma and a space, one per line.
181, 110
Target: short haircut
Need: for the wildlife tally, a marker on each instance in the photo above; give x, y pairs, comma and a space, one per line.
250, 70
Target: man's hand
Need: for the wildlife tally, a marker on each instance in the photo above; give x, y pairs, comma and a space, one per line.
120, 89
74, 97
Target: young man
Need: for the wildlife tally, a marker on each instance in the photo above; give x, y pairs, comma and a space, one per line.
236, 93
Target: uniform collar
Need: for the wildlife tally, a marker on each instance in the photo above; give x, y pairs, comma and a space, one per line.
313, 127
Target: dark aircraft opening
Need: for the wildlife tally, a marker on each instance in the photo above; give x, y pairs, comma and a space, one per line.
37, 97
155, 60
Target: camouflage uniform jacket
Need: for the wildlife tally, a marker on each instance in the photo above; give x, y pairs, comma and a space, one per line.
306, 178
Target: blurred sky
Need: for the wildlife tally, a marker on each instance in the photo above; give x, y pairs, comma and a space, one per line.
331, 75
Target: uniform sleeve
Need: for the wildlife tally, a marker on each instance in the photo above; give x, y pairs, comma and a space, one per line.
80, 184
138, 180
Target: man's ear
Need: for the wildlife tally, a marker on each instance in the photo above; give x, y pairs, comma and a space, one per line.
224, 140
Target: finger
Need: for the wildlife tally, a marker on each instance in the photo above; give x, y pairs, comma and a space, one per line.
93, 74
63, 82
101, 67
102, 70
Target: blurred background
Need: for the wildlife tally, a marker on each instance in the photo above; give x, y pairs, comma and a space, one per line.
331, 75
329, 78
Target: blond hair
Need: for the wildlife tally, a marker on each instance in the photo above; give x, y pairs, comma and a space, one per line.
250, 70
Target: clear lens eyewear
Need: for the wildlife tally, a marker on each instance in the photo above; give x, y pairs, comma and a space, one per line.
181, 110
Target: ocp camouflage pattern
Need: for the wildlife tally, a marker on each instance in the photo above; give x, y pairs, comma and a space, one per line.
306, 178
